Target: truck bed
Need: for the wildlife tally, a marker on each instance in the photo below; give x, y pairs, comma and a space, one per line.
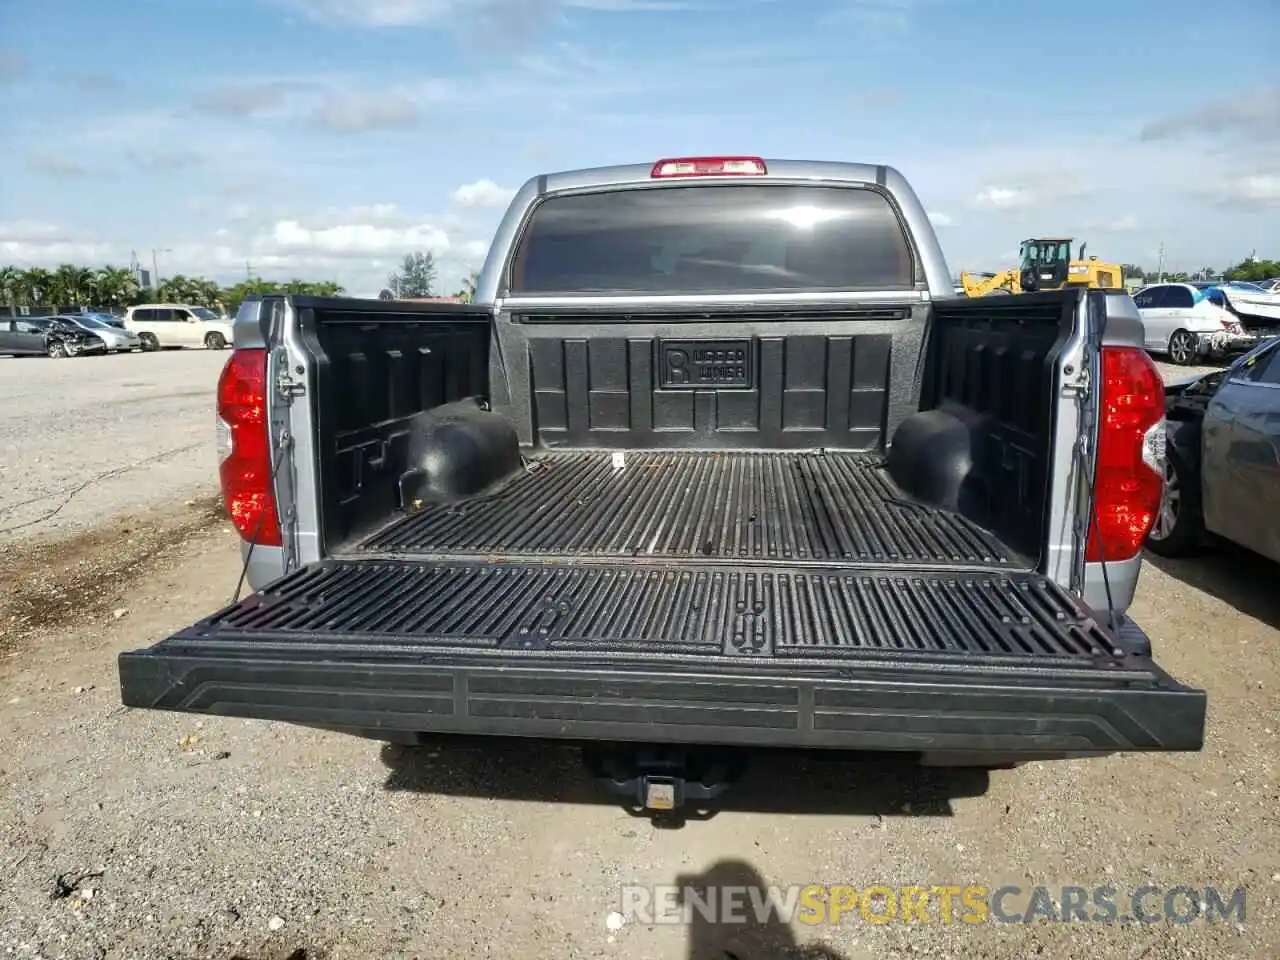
742, 599
770, 507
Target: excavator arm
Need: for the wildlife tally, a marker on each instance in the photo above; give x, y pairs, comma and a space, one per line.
982, 285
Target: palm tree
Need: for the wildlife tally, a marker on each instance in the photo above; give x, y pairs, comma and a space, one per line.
36, 286
179, 289
468, 290
71, 285
10, 278
116, 286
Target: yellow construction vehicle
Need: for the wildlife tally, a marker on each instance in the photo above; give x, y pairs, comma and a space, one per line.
1045, 264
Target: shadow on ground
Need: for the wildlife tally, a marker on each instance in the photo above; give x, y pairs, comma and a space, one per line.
773, 782
747, 936
1237, 577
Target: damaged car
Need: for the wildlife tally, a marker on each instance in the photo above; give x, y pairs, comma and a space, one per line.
55, 337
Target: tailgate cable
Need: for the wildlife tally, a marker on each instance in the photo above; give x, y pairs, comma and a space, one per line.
248, 554
271, 339
1091, 521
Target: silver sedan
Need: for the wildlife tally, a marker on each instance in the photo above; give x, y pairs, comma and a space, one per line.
117, 339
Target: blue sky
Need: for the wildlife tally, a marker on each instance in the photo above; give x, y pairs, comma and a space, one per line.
324, 138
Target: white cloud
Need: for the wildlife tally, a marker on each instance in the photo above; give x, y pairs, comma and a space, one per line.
13, 66
408, 13
356, 239
482, 193
940, 219
361, 111
1262, 189
26, 231
476, 249
243, 99
1002, 198
1254, 114
377, 212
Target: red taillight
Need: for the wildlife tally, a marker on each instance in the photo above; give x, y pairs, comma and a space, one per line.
245, 469
1130, 464
709, 167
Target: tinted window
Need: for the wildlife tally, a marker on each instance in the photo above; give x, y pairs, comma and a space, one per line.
1177, 297
1151, 297
1265, 368
144, 316
713, 239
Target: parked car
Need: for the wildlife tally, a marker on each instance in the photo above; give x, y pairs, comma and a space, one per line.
1257, 308
716, 458
1222, 463
1181, 321
51, 336
110, 319
117, 339
178, 325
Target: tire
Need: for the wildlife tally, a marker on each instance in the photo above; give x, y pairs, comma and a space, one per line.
56, 349
1182, 348
1179, 527
148, 342
215, 341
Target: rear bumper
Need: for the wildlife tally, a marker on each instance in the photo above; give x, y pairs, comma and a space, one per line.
1224, 343
925, 708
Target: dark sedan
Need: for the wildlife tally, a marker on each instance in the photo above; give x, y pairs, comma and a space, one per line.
1222, 473
47, 336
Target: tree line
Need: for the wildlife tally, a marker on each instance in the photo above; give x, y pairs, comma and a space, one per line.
114, 288
1253, 270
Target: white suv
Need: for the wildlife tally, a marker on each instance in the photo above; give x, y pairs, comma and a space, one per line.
178, 325
1182, 321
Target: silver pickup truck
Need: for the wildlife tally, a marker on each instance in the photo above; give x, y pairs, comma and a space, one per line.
716, 459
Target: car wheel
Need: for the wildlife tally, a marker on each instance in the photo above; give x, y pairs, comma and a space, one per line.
1182, 348
215, 341
148, 342
1178, 530
56, 349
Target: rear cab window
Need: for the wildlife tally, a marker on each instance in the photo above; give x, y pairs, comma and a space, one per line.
713, 238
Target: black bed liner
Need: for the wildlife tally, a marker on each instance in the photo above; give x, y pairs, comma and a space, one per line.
708, 654
749, 506
690, 653
692, 610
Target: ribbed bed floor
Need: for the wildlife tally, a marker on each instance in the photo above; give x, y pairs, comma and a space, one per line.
780, 507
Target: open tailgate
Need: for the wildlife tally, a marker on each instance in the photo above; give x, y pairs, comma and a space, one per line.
710, 653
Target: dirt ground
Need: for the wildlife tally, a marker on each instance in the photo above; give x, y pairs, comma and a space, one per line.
139, 834
87, 439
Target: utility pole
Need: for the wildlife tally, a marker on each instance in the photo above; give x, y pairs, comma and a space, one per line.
155, 266
1160, 265
248, 272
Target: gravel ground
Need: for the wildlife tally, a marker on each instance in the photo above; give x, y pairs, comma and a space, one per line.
78, 433
137, 834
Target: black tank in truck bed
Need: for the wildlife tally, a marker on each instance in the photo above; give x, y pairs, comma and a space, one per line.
716, 593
